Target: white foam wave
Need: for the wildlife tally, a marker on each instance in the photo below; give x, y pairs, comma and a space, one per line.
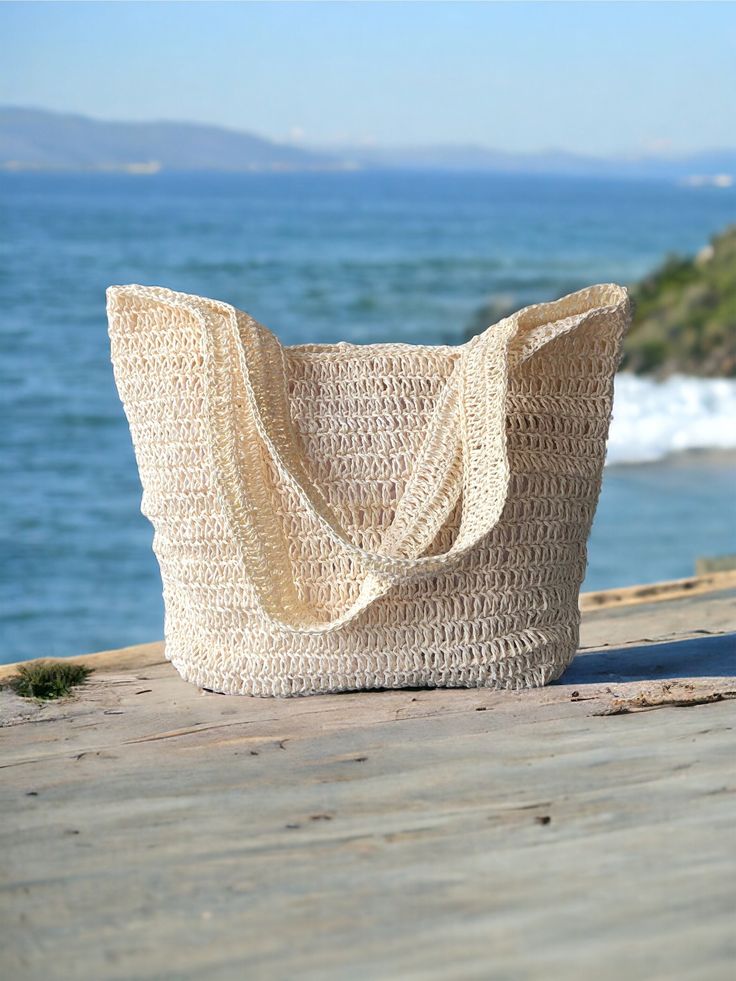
654, 419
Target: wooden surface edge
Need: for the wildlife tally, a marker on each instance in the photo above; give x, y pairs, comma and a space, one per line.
138, 655
657, 591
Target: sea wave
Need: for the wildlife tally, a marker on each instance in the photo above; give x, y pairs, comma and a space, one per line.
656, 419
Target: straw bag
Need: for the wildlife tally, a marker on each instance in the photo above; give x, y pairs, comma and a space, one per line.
338, 516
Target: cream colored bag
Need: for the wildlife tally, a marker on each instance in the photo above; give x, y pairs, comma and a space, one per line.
338, 516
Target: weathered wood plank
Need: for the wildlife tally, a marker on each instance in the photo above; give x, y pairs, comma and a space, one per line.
151, 830
706, 581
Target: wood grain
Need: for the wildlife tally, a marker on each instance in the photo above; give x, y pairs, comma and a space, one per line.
152, 830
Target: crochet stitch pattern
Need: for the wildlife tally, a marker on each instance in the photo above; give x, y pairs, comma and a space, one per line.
333, 517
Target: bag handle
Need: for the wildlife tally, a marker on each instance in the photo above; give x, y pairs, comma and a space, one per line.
464, 452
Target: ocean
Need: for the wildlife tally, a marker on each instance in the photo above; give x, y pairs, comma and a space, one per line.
316, 257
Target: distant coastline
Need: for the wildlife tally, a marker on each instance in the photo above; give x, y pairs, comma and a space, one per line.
21, 167
36, 141
150, 167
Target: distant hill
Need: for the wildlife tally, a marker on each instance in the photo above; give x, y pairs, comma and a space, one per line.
685, 314
32, 139
716, 167
35, 139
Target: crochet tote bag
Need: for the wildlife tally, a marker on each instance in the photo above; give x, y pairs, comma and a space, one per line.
331, 517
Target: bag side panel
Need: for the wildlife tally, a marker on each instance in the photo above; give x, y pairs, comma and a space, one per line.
156, 350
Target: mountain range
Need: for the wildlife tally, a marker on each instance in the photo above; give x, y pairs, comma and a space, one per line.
34, 139
37, 139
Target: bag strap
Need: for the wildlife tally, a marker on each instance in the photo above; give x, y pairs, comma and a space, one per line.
464, 451
463, 454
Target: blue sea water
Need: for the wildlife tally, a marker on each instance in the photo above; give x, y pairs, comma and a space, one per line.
321, 257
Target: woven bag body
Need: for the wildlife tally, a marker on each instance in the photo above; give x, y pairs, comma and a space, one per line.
337, 517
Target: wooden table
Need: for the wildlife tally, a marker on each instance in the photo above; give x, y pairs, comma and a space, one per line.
586, 830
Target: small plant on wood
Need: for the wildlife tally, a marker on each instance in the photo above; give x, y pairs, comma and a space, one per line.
48, 679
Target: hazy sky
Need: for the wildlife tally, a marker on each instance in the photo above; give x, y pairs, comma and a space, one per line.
591, 77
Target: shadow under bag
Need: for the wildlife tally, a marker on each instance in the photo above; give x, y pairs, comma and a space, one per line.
331, 517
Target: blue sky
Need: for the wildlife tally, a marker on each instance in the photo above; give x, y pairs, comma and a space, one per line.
590, 77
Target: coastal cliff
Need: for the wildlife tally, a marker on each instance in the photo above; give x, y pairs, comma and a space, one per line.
685, 314
684, 319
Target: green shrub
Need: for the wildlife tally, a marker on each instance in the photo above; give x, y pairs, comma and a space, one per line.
651, 354
48, 679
